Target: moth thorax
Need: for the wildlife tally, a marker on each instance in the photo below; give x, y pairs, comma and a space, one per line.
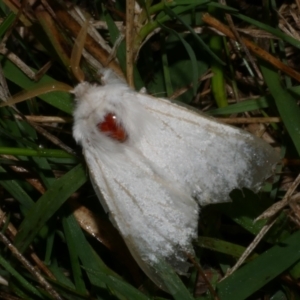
113, 128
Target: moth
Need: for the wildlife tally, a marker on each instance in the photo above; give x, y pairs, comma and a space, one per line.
154, 164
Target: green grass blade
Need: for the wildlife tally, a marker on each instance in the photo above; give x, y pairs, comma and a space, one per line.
218, 80
6, 23
99, 274
15, 190
247, 105
192, 56
247, 280
4, 263
39, 152
221, 246
172, 282
175, 14
286, 104
48, 204
72, 244
61, 100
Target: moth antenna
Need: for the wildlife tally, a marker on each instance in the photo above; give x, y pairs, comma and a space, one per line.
42, 89
77, 52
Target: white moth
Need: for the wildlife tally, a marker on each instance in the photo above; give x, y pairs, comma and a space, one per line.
152, 162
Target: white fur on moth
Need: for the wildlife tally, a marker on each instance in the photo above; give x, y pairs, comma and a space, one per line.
151, 159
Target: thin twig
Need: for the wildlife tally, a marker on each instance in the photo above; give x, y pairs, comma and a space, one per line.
43, 282
11, 231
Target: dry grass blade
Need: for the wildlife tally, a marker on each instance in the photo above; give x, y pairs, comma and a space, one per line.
250, 120
48, 119
277, 207
130, 5
90, 45
251, 247
42, 281
252, 47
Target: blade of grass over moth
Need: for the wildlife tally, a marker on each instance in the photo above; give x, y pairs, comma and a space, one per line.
270, 264
62, 101
48, 204
286, 104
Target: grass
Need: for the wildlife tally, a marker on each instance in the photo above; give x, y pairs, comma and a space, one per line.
64, 246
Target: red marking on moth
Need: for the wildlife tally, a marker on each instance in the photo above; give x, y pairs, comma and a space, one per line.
112, 128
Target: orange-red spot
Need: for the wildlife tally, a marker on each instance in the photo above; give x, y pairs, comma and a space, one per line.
112, 128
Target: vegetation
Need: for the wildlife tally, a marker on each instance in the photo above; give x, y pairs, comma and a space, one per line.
235, 61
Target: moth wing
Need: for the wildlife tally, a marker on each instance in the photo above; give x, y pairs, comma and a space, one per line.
156, 219
146, 184
211, 158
